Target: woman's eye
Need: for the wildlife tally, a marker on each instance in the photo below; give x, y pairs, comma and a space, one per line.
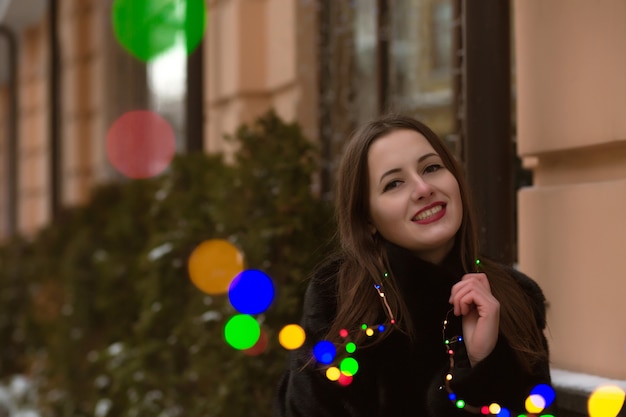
432, 168
391, 185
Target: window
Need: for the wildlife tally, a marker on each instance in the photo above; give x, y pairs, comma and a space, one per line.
167, 89
407, 46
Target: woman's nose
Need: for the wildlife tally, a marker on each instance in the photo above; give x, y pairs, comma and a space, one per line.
421, 189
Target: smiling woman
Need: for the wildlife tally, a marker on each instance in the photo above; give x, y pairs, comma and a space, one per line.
437, 331
414, 200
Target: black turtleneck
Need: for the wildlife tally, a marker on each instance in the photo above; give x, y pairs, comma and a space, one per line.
399, 376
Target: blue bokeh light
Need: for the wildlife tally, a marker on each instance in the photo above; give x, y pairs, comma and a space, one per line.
324, 352
504, 413
546, 392
251, 292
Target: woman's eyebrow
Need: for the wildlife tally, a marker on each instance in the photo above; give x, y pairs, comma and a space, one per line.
395, 170
391, 171
428, 155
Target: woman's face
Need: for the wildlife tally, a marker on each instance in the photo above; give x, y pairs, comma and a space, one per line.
415, 200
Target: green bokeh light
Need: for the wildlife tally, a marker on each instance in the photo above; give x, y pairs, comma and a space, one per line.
147, 28
242, 331
349, 366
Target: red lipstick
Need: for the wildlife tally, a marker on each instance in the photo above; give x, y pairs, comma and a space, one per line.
433, 213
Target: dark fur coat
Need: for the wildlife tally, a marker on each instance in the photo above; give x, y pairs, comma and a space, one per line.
399, 378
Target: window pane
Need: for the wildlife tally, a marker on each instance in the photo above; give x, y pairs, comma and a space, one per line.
420, 81
365, 40
442, 38
167, 88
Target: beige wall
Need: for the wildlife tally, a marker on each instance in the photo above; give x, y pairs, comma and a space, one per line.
82, 100
260, 55
33, 137
571, 61
81, 128
4, 169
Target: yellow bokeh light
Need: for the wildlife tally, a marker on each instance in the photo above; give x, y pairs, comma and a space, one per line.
291, 337
333, 373
535, 404
213, 265
606, 401
494, 408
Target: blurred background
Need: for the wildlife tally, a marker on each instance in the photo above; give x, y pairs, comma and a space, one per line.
133, 131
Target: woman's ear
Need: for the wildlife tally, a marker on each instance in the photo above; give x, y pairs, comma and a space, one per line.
373, 230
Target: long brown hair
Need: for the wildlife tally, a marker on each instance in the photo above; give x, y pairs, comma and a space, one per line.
364, 257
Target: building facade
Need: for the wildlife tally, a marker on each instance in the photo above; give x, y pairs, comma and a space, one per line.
572, 134
330, 65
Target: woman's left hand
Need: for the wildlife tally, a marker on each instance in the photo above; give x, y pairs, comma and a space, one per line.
472, 298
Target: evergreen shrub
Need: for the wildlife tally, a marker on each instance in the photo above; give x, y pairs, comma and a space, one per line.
98, 309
